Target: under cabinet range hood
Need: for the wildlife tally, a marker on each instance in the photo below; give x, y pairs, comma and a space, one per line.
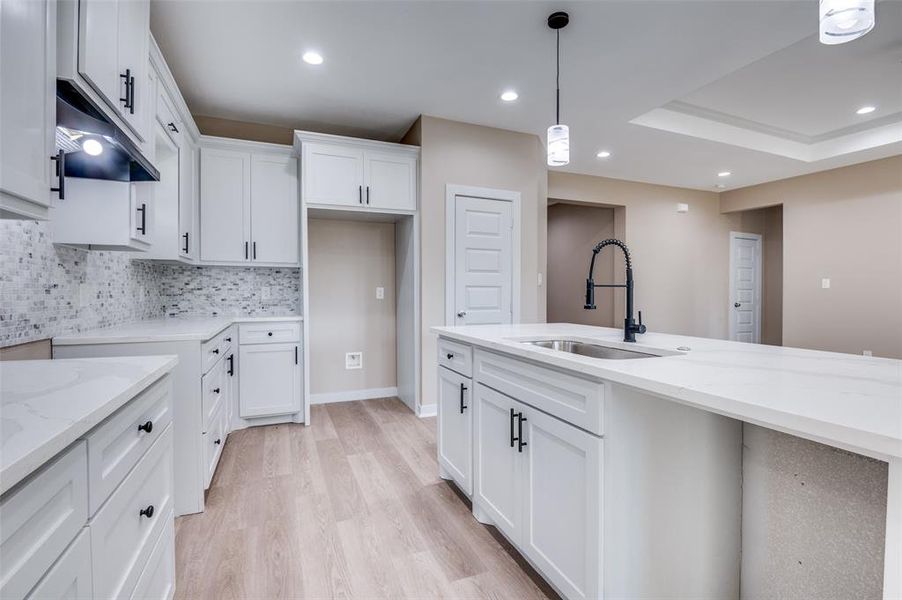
94, 147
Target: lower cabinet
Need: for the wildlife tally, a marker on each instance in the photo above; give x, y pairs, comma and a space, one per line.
270, 382
455, 418
70, 577
539, 480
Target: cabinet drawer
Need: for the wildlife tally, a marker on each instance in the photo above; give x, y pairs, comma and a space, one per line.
213, 349
121, 536
70, 577
39, 518
214, 388
269, 333
226, 339
116, 445
214, 440
457, 357
575, 400
158, 579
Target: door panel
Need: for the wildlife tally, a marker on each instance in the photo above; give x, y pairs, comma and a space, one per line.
562, 528
745, 309
274, 209
98, 52
454, 427
225, 205
499, 480
390, 181
133, 44
187, 200
270, 381
483, 259
333, 175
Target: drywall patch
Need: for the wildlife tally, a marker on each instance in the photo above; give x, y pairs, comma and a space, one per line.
813, 519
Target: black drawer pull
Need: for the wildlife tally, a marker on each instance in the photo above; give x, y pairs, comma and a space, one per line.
463, 406
269, 334
217, 441
146, 427
172, 128
215, 350
215, 390
450, 356
228, 339
520, 442
514, 415
147, 512
231, 359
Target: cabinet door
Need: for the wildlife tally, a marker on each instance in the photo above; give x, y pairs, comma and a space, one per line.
133, 51
270, 382
27, 101
225, 188
499, 480
455, 446
187, 199
274, 209
390, 181
140, 214
98, 48
333, 175
70, 576
562, 500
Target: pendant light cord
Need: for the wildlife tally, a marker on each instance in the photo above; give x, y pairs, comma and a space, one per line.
557, 112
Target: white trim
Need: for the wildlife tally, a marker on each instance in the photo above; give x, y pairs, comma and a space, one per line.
427, 410
301, 137
731, 328
222, 143
368, 394
452, 191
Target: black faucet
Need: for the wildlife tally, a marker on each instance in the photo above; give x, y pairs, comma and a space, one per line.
630, 327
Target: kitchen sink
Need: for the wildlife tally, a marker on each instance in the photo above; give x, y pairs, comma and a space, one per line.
591, 350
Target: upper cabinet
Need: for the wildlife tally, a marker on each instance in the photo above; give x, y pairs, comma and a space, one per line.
27, 108
361, 174
249, 210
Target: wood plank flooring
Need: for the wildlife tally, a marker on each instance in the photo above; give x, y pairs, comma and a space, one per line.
350, 507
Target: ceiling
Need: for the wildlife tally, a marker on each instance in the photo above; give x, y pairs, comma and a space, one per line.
676, 90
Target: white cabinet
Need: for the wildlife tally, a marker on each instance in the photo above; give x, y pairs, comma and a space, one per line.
70, 577
107, 215
274, 209
455, 418
27, 107
351, 173
248, 204
270, 382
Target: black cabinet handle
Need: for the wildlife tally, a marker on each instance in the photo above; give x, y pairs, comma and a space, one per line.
463, 406
520, 442
269, 334
450, 355
185, 235
231, 360
360, 194
147, 512
215, 350
255, 250
172, 128
131, 95
367, 194
143, 210
215, 390
60, 160
127, 76
514, 415
146, 427
217, 441
228, 339
245, 250
295, 355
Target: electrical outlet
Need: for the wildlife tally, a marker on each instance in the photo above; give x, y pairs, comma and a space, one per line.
354, 360
825, 283
867, 353
682, 207
266, 292
380, 293
540, 280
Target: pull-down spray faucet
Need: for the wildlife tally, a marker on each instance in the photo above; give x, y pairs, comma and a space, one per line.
630, 327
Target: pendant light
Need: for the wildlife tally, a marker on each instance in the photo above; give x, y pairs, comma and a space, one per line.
845, 20
558, 134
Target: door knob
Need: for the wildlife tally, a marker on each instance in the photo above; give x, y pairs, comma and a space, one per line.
462, 314
736, 305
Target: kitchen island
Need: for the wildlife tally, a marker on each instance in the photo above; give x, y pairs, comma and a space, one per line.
623, 477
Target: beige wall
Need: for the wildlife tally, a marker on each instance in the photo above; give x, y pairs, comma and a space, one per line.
241, 130
347, 261
846, 225
463, 154
573, 230
680, 261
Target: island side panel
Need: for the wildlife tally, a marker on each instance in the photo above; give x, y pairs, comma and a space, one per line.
892, 567
672, 504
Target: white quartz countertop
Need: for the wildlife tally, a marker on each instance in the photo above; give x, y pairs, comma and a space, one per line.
172, 329
848, 401
45, 405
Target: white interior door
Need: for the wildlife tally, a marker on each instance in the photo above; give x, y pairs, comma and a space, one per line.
745, 287
483, 261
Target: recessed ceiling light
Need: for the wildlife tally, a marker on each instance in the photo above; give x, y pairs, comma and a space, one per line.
509, 96
313, 58
865, 110
724, 174
603, 154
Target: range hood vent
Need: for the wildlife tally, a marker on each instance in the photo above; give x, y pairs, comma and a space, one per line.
77, 118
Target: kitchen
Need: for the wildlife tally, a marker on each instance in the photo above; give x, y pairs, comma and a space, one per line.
314, 342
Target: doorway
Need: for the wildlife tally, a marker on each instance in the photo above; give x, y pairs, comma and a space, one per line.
482, 256
745, 287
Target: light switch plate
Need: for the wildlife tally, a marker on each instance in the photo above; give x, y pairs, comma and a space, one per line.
354, 360
380, 293
825, 283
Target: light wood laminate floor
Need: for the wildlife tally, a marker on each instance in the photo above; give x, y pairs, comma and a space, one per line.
350, 507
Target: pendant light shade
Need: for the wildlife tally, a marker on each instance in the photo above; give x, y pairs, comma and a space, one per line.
558, 145
558, 134
845, 20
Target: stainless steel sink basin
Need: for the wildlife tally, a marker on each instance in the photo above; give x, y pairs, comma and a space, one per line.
591, 350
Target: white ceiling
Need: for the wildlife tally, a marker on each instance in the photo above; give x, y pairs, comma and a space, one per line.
747, 66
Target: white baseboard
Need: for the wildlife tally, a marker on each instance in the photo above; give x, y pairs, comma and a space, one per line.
427, 410
368, 394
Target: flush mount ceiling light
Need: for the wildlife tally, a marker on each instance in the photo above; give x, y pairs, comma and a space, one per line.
845, 20
509, 96
724, 174
603, 154
313, 58
558, 134
865, 110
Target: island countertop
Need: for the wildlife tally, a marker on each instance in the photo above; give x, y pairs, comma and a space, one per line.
843, 400
45, 405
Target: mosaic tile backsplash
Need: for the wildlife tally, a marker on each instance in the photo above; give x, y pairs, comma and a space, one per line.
48, 290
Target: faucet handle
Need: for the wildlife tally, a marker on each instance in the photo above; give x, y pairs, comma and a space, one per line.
641, 328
